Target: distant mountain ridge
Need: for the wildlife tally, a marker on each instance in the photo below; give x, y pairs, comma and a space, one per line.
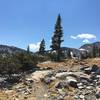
5, 49
84, 51
90, 46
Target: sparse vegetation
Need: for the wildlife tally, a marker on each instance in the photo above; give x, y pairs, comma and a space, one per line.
16, 62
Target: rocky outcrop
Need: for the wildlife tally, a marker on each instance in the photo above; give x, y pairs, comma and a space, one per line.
83, 84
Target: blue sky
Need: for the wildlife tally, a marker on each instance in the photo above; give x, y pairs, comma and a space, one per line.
24, 22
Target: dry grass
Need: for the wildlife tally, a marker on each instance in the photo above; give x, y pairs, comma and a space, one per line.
68, 64
93, 61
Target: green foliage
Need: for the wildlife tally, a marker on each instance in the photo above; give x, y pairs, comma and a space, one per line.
41, 58
26, 60
42, 47
53, 56
28, 49
16, 63
56, 39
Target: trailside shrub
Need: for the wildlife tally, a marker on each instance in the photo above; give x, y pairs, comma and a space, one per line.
16, 63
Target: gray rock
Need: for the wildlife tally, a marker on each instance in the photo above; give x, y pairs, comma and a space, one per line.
84, 80
29, 81
61, 75
79, 84
73, 84
98, 95
62, 84
82, 96
76, 97
80, 87
87, 70
94, 68
98, 71
72, 81
47, 80
89, 87
90, 97
98, 83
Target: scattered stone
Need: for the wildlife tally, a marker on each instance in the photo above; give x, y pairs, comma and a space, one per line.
73, 84
90, 97
72, 81
94, 68
62, 84
79, 84
98, 95
61, 75
97, 72
89, 87
87, 70
82, 96
48, 80
80, 87
84, 80
70, 78
38, 75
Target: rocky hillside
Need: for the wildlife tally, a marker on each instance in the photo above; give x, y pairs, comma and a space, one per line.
74, 50
84, 51
90, 46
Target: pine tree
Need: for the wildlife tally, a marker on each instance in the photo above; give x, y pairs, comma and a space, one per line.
42, 47
28, 49
56, 39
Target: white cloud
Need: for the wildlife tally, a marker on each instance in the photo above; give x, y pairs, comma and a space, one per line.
86, 41
73, 37
34, 47
85, 36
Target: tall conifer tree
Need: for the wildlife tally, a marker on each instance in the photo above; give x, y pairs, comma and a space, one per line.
42, 47
28, 49
56, 39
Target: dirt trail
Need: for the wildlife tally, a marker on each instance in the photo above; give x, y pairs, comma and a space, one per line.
40, 92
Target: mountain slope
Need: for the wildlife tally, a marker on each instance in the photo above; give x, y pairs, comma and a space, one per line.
89, 47
4, 49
